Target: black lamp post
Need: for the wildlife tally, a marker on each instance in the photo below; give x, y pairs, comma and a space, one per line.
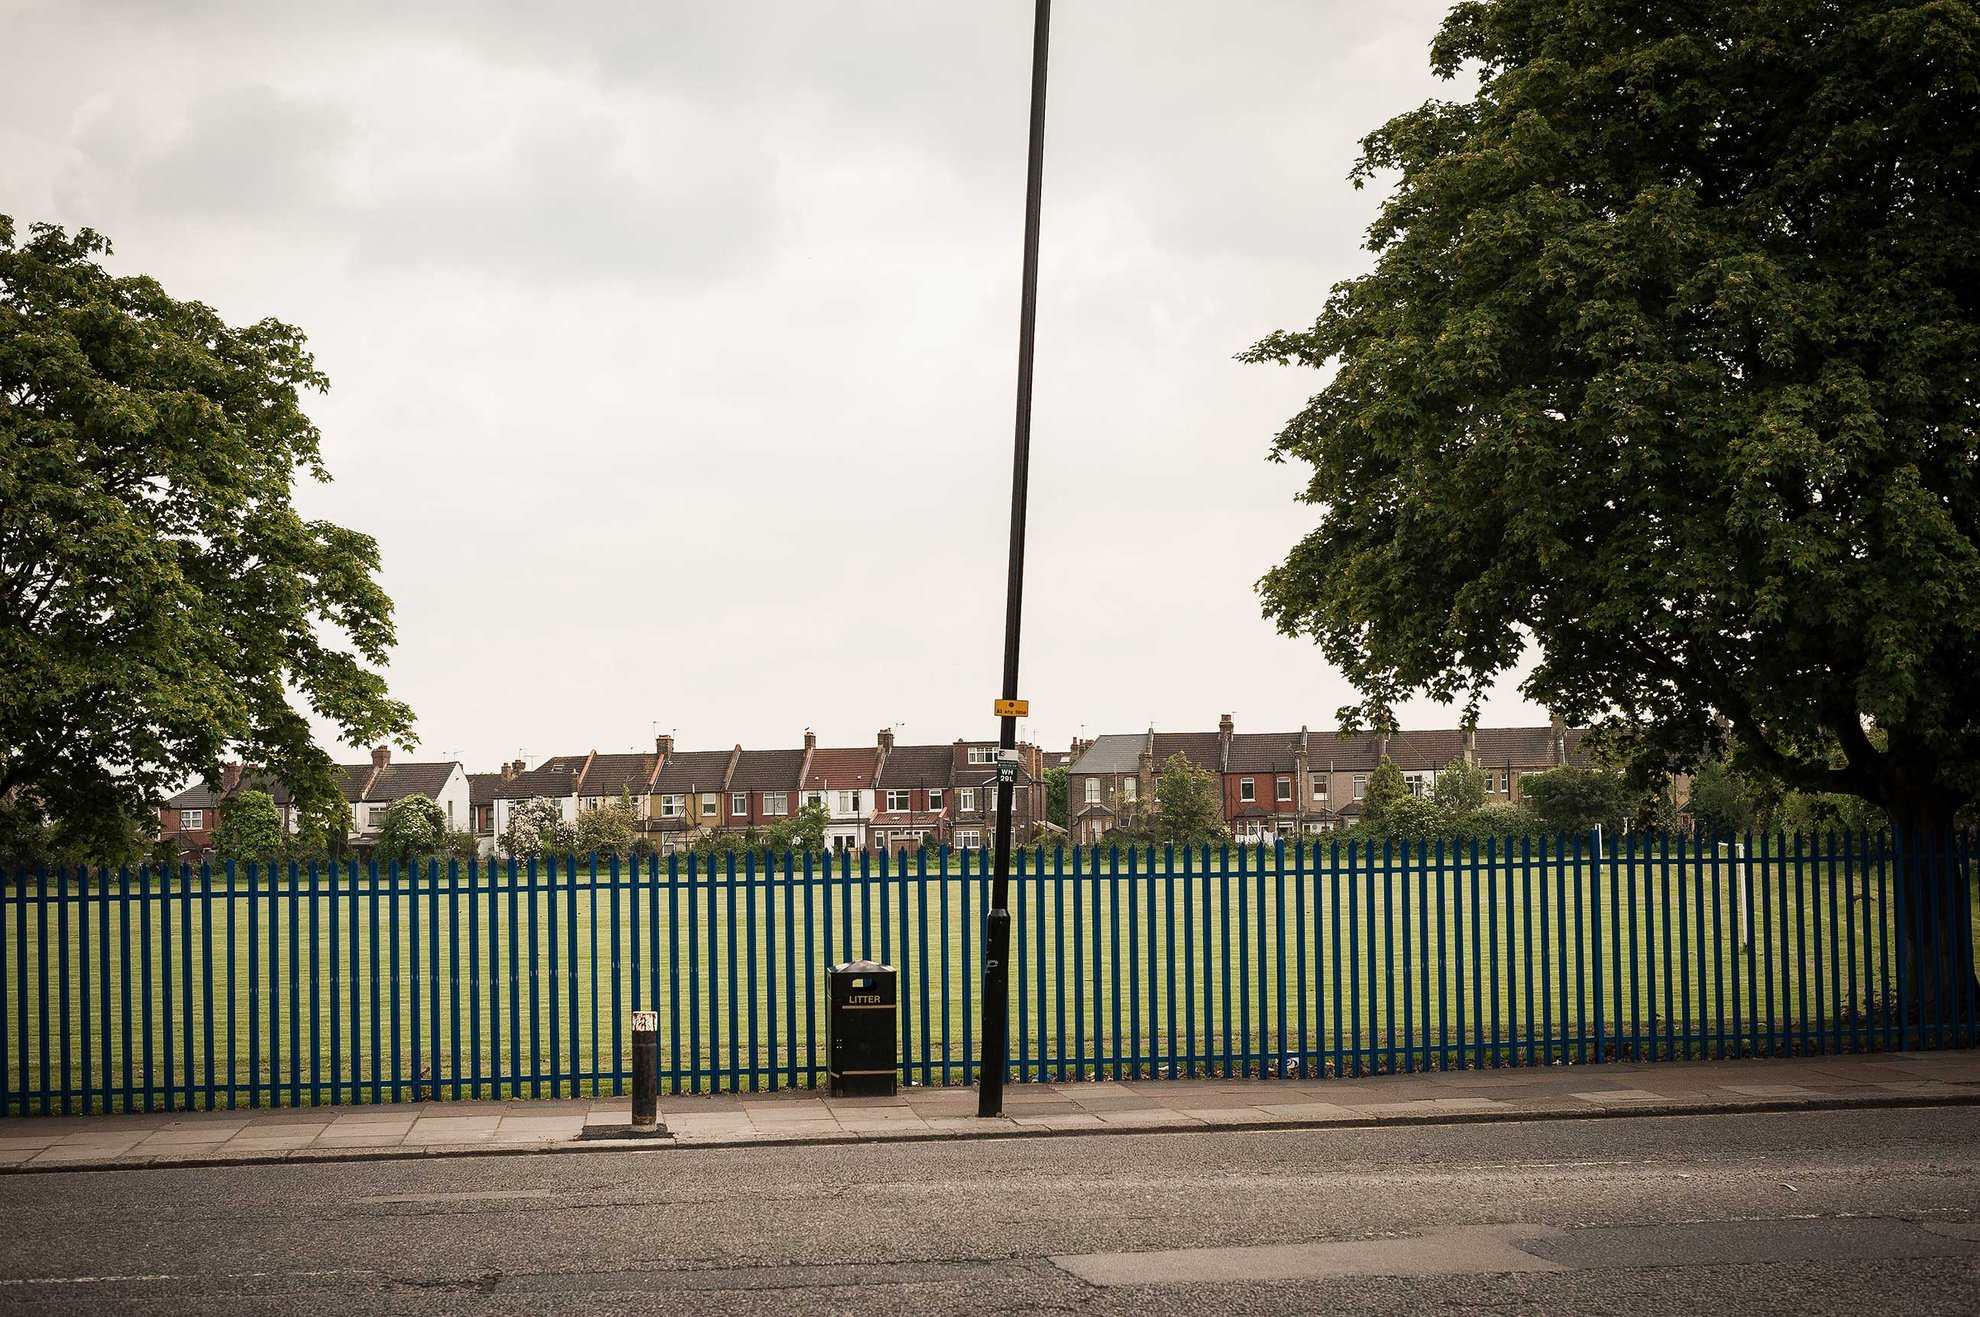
997, 939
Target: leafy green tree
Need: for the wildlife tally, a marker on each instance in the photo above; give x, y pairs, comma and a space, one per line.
414, 829
1664, 367
250, 828
803, 832
609, 829
1189, 805
1574, 800
460, 844
1387, 790
538, 828
1819, 812
1057, 802
1460, 788
1721, 804
162, 602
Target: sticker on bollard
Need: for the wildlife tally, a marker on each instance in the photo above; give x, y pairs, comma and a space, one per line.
646, 1073
861, 997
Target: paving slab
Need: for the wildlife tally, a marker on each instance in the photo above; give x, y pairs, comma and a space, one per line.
1070, 1108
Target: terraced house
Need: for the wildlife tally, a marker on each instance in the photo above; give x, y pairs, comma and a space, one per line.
1284, 784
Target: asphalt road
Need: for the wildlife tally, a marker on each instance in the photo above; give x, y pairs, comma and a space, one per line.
1809, 1212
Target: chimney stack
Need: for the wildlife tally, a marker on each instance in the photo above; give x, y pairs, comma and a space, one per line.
1557, 736
230, 777
887, 738
810, 739
1471, 745
663, 744
510, 769
381, 755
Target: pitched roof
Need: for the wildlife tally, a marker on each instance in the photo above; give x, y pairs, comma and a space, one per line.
481, 787
260, 779
1200, 748
916, 766
352, 779
610, 775
196, 796
1331, 752
1499, 746
842, 770
1263, 752
1116, 752
395, 781
1425, 748
553, 779
693, 770
767, 770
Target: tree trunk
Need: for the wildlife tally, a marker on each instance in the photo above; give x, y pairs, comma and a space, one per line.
1940, 1002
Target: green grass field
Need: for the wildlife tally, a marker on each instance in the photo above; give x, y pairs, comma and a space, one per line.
204, 993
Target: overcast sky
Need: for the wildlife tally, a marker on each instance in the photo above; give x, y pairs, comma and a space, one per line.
672, 345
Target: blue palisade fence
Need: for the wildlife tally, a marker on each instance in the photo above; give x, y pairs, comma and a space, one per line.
290, 985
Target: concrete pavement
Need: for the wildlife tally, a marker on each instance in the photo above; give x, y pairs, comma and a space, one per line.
804, 1117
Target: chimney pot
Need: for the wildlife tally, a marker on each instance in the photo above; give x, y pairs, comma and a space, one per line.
381, 755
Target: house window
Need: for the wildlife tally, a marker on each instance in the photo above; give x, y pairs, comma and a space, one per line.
739, 802
1319, 787
711, 805
591, 802
814, 800
776, 803
1360, 785
671, 806
1092, 790
935, 797
192, 820
899, 801
966, 799
969, 839
1282, 789
1247, 790
983, 754
374, 815
1129, 786
1415, 783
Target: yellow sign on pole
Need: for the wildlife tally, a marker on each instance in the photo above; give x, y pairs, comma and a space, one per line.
1013, 708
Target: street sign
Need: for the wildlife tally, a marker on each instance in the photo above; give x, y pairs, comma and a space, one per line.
1013, 709
1007, 770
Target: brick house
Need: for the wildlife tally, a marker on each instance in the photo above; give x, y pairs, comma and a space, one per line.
1284, 784
1114, 775
762, 788
687, 793
911, 795
842, 781
189, 818
973, 794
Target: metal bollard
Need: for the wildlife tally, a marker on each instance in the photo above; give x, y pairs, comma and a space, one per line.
646, 1072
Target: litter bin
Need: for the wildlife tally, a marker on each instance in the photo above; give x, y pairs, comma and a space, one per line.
862, 999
